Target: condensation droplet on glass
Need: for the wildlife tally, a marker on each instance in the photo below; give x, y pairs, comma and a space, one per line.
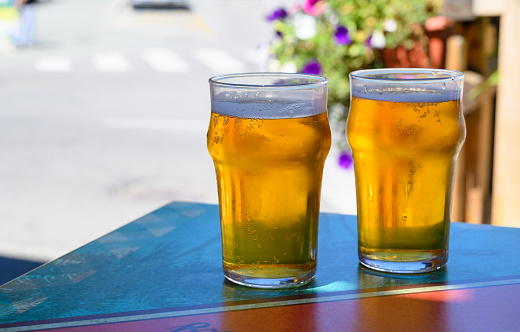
371, 198
405, 217
444, 86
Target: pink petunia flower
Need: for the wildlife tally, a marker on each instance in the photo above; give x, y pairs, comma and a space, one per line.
314, 7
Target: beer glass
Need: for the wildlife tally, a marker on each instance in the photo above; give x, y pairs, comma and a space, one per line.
405, 128
268, 137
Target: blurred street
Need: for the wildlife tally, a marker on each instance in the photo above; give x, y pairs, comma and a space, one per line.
103, 119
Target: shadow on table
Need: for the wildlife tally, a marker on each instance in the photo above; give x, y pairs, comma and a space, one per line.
11, 268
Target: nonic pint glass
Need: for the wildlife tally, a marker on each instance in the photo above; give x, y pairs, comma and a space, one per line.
268, 137
405, 128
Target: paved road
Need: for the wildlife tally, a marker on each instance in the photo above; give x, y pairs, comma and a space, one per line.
103, 120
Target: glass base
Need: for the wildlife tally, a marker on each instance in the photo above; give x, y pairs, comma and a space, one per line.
426, 264
270, 283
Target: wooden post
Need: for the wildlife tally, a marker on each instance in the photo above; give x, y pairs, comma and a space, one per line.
478, 176
505, 210
456, 55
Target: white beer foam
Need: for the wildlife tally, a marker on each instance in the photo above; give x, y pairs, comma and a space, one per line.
261, 105
406, 93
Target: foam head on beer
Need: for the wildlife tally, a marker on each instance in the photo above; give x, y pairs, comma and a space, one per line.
275, 99
412, 90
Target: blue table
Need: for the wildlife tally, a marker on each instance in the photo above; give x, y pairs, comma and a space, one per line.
163, 272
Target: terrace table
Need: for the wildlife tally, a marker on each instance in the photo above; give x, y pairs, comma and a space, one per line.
163, 272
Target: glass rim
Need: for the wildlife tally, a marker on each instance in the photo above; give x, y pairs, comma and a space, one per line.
437, 75
219, 80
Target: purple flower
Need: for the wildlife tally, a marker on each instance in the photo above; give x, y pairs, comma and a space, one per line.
368, 41
312, 67
278, 14
341, 36
345, 160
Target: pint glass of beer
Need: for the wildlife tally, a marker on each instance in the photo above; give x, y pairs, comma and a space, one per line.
405, 128
268, 137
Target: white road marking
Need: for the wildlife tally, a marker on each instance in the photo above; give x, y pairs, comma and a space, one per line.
160, 59
165, 61
156, 124
219, 61
55, 64
111, 62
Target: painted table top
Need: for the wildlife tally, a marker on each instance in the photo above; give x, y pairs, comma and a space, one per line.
163, 272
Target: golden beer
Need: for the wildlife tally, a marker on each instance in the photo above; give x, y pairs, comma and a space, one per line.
405, 143
269, 167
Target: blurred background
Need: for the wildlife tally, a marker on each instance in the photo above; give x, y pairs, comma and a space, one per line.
104, 113
104, 105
